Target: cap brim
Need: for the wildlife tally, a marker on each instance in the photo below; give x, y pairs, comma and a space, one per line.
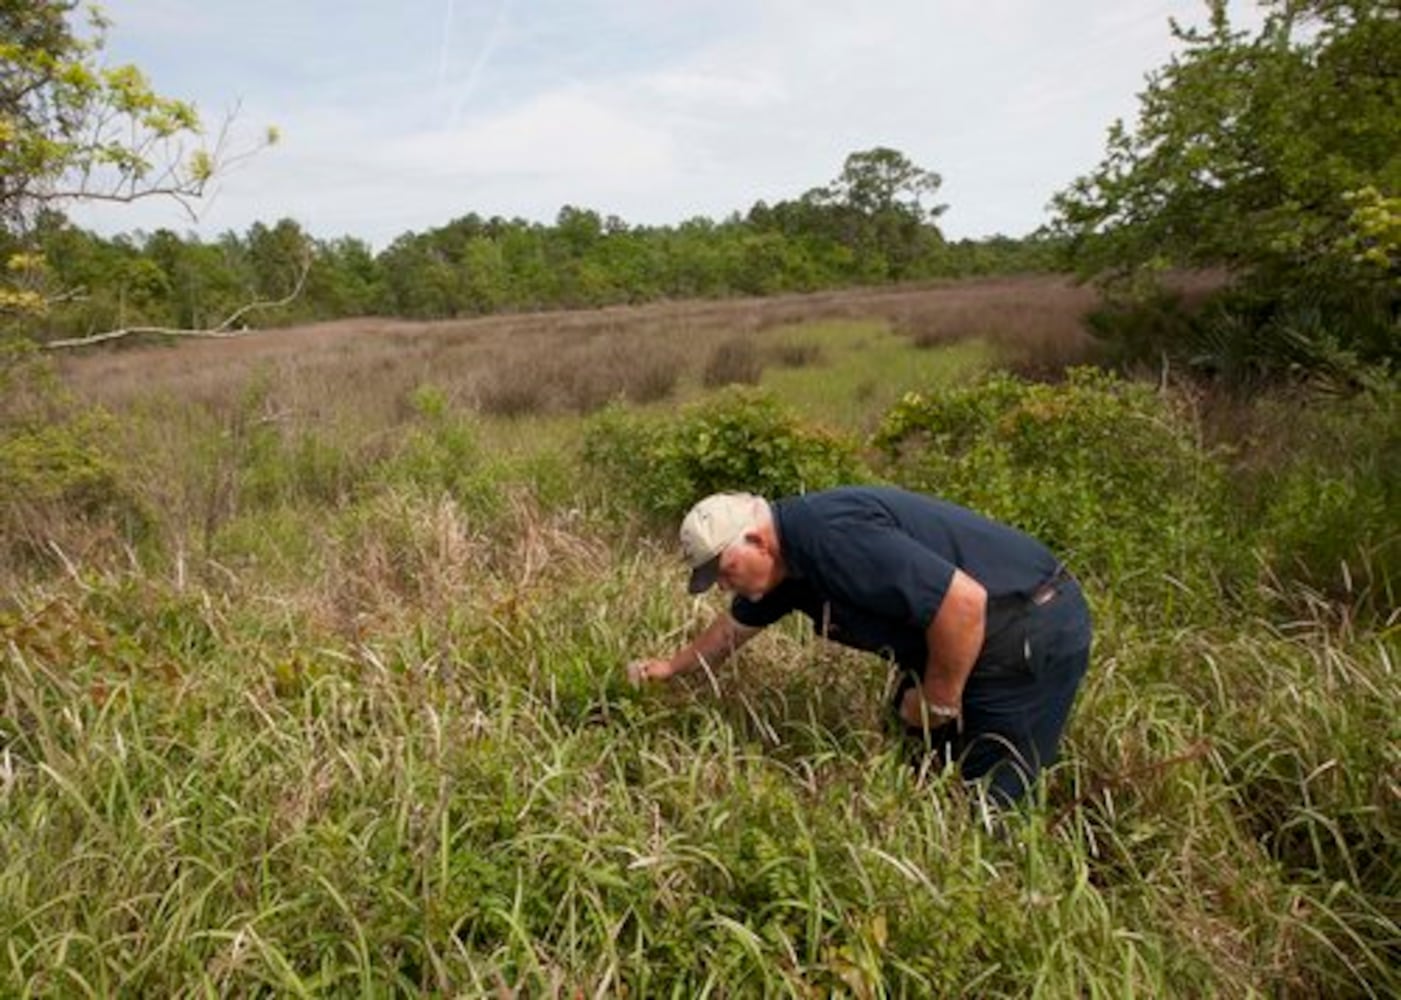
703, 577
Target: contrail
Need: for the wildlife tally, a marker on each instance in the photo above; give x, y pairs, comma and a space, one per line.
493, 38
443, 49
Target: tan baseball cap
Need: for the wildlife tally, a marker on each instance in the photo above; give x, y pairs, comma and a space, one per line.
709, 528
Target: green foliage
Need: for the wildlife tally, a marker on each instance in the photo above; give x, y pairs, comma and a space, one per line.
1248, 335
471, 798
441, 455
58, 474
57, 463
1102, 470
740, 439
1140, 323
72, 127
870, 225
381, 742
1326, 513
280, 468
1276, 156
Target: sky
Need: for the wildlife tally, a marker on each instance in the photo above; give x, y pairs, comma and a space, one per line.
402, 115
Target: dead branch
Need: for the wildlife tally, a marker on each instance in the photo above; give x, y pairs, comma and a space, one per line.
223, 331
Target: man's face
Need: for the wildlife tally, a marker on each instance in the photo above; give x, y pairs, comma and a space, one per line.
747, 568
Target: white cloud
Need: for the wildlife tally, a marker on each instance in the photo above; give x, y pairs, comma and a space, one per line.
654, 112
716, 90
563, 132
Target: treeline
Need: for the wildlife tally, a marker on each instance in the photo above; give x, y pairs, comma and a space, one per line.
869, 226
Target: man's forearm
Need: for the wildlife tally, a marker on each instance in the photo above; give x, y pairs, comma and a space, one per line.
955, 638
713, 646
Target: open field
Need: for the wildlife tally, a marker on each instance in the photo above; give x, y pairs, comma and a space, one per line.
312, 684
569, 355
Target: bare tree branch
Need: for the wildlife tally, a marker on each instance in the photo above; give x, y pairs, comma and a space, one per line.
223, 331
106, 182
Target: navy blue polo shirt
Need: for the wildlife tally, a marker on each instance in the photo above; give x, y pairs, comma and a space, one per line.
870, 565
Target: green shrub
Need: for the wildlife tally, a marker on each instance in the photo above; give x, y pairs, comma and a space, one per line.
1253, 333
740, 439
59, 481
441, 454
1102, 470
282, 544
1326, 515
281, 468
1139, 326
63, 462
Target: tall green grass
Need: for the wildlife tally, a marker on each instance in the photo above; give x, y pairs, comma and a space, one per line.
204, 792
349, 718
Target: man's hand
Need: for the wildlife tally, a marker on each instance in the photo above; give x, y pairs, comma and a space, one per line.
641, 671
712, 647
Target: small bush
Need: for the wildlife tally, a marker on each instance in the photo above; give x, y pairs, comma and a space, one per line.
733, 362
797, 355
59, 480
1100, 469
1141, 326
514, 390
441, 456
651, 379
741, 440
60, 484
1326, 515
281, 467
579, 383
1246, 337
928, 340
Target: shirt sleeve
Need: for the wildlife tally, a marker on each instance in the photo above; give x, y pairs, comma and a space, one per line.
764, 612
883, 571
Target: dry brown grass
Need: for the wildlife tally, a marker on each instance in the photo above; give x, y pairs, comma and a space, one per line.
564, 361
735, 361
793, 355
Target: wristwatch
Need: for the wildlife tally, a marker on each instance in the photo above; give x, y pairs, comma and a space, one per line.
936, 710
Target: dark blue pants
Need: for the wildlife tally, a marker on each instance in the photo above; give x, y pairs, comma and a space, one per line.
1020, 692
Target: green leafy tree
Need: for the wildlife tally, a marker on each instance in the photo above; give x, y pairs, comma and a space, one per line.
1275, 155
278, 256
344, 280
74, 129
485, 284
883, 181
875, 211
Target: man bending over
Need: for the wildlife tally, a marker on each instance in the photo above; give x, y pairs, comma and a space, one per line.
991, 634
